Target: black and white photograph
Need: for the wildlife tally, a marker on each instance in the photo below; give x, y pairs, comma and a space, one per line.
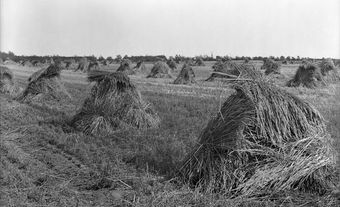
169, 103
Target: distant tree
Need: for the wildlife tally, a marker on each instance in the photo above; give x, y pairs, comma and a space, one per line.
257, 58
109, 58
179, 58
218, 57
92, 58
118, 58
11, 55
282, 58
227, 57
101, 58
3, 55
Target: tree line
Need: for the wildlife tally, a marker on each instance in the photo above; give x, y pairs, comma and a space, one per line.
145, 58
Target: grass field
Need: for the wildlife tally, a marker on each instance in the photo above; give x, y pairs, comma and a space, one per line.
44, 162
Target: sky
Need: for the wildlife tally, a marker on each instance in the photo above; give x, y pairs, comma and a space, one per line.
305, 28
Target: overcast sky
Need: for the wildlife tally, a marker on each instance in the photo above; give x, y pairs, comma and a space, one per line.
189, 27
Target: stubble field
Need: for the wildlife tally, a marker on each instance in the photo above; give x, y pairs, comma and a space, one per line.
44, 162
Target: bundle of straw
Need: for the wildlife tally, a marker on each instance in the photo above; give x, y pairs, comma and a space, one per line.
308, 75
114, 103
45, 85
233, 71
186, 76
271, 67
262, 141
160, 70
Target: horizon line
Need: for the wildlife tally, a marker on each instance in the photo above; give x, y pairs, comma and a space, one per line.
132, 55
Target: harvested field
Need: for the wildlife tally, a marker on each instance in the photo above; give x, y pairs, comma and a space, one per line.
47, 162
169, 103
